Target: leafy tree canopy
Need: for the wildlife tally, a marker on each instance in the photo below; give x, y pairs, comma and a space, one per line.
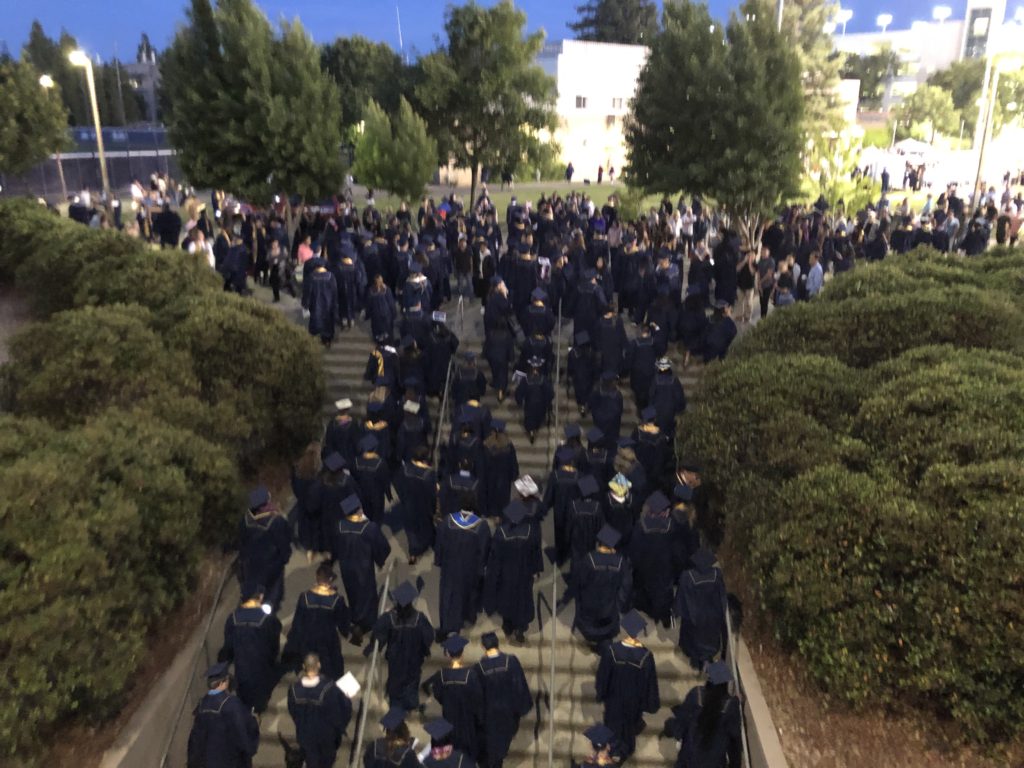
33, 119
364, 71
927, 111
634, 22
872, 70
397, 155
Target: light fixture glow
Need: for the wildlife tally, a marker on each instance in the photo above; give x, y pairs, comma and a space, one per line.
46, 81
78, 58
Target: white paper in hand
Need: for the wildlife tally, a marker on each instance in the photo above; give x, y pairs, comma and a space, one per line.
348, 685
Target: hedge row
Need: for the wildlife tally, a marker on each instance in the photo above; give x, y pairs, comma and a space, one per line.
134, 404
867, 451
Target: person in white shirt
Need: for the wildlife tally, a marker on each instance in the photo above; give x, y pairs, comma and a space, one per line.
201, 246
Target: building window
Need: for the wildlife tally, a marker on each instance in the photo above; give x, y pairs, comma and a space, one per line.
609, 121
976, 41
581, 102
617, 103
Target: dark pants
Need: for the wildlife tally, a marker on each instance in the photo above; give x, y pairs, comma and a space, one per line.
766, 297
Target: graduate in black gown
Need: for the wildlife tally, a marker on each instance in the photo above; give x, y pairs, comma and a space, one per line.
324, 497
582, 369
321, 713
535, 394
357, 546
718, 336
656, 555
627, 684
342, 433
500, 469
585, 519
459, 690
417, 489
599, 457
652, 448
559, 493
406, 635
603, 748
252, 639
460, 551
499, 351
606, 407
641, 356
373, 478
225, 733
506, 699
440, 345
667, 397
443, 753
468, 382
264, 546
708, 723
700, 606
319, 623
514, 562
394, 748
602, 584
323, 304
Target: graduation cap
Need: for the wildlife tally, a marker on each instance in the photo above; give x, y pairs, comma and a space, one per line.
607, 375
382, 338
657, 502
404, 594
426, 238
719, 673
496, 280
251, 590
587, 485
690, 464
589, 274
663, 364
582, 338
523, 247
683, 492
539, 294
609, 536
217, 671
625, 442
439, 317
619, 485
565, 455
703, 559
415, 267
600, 735
393, 718
454, 645
367, 444
633, 623
375, 406
497, 425
258, 498
527, 486
720, 304
343, 405
334, 462
536, 361
403, 240
489, 640
411, 406
438, 729
571, 430
595, 435
469, 356
407, 341
350, 504
515, 512
649, 413
692, 290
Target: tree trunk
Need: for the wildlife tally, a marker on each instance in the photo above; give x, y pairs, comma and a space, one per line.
474, 169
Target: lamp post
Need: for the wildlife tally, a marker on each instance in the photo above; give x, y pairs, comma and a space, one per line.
883, 20
79, 58
47, 82
941, 12
844, 15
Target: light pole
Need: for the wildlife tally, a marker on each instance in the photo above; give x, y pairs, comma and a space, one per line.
782, 6
78, 58
844, 15
941, 12
47, 82
883, 20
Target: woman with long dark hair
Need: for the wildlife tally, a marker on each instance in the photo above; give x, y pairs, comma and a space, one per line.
708, 723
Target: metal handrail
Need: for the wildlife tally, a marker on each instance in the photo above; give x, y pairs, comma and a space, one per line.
444, 411
357, 748
554, 564
228, 570
732, 643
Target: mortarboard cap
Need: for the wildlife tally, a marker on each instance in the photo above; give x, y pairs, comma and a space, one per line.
439, 317
656, 502
411, 406
404, 593
619, 485
375, 406
343, 405
526, 486
649, 413
536, 361
582, 337
589, 274
587, 485
703, 559
690, 464
415, 267
252, 590
367, 444
393, 718
454, 645
633, 624
407, 341
497, 425
334, 462
565, 455
515, 512
663, 364
609, 536
438, 729
350, 504
218, 671
720, 304
719, 673
692, 290
625, 442
571, 430
683, 492
607, 375
258, 497
539, 294
600, 735
595, 435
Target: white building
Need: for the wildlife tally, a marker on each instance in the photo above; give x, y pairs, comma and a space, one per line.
596, 82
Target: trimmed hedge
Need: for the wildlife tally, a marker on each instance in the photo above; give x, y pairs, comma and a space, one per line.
137, 399
867, 452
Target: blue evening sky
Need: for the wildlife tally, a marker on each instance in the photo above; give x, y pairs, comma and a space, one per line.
111, 25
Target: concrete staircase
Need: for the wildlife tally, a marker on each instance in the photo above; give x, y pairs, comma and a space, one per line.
570, 699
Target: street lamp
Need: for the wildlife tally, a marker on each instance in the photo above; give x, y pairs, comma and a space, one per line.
78, 58
883, 20
47, 82
844, 15
830, 27
941, 12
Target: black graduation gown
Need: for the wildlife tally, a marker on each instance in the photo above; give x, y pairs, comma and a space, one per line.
323, 501
412, 434
724, 748
305, 528
383, 364
535, 394
341, 437
606, 410
264, 548
700, 606
417, 490
641, 359
559, 494
536, 346
590, 307
653, 451
374, 480
599, 464
454, 488
460, 692
323, 305
405, 637
668, 399
656, 557
378, 755
358, 546
441, 345
321, 714
583, 372
461, 553
611, 343
456, 759
514, 559
537, 318
225, 733
252, 640
506, 700
500, 470
320, 620
692, 322
602, 583
627, 685
717, 338
381, 312
467, 384
584, 521
499, 352
620, 515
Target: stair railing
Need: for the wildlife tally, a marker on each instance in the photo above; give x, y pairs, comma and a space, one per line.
444, 412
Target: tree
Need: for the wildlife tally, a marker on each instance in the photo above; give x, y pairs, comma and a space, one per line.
718, 114
249, 110
395, 155
483, 95
872, 70
33, 119
927, 111
364, 71
962, 80
633, 22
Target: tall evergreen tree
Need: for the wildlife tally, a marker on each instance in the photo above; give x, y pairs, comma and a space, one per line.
396, 155
483, 95
634, 22
33, 119
364, 71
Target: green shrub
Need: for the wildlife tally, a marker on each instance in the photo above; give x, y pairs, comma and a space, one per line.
22, 221
20, 435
